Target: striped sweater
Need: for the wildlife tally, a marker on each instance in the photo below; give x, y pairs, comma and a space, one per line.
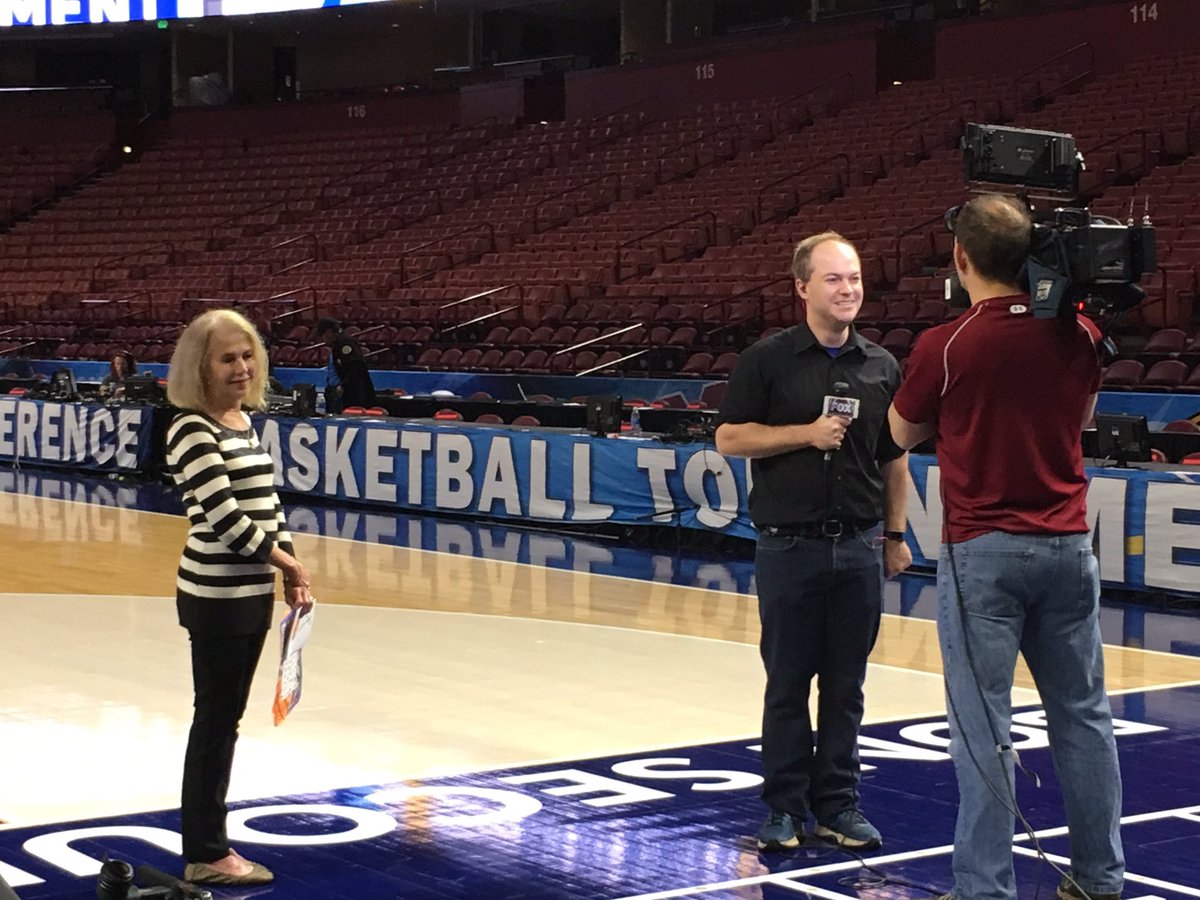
225, 583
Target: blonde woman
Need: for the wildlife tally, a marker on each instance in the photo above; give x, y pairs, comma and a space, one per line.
225, 586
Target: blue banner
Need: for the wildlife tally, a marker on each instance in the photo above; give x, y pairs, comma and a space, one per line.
535, 474
77, 435
1145, 524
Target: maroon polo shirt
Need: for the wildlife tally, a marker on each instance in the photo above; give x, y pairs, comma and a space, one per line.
1007, 392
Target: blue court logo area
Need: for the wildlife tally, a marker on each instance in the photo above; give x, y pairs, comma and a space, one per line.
675, 823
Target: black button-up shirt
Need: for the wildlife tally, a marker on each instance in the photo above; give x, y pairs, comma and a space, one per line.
783, 380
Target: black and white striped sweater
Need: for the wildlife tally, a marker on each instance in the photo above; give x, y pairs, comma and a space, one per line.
225, 583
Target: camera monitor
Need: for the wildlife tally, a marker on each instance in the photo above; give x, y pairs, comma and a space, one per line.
304, 401
604, 415
1122, 438
144, 389
62, 385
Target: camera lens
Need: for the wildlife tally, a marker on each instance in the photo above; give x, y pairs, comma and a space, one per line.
116, 877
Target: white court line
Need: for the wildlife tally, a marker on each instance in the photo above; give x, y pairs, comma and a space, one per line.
810, 891
1129, 876
1182, 811
780, 878
1156, 687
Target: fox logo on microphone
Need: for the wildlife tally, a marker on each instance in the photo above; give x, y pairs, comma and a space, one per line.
846, 407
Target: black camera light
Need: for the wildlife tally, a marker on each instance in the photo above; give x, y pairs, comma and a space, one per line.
1045, 159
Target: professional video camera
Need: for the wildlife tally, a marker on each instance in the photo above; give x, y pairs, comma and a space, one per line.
1077, 261
116, 882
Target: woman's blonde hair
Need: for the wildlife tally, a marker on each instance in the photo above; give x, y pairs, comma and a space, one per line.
187, 378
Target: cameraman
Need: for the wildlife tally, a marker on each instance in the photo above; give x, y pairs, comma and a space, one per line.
1007, 395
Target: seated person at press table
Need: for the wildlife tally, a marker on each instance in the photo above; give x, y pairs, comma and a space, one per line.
120, 367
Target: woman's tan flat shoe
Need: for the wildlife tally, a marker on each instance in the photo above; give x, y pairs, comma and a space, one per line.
203, 873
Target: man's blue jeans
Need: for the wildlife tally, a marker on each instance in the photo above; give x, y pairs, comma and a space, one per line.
1037, 594
819, 601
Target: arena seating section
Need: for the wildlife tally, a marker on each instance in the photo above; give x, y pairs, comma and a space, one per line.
658, 243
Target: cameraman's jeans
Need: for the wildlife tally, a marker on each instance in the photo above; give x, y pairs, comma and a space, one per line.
819, 601
222, 670
1038, 594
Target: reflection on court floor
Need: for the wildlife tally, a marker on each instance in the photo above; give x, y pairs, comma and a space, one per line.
677, 822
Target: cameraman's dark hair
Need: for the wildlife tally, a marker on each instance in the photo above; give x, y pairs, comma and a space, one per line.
802, 255
325, 324
995, 230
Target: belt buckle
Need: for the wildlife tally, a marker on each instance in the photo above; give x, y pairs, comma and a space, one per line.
831, 528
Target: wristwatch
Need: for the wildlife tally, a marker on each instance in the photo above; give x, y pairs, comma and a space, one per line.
893, 535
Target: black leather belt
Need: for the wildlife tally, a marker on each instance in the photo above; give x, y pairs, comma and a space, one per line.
830, 528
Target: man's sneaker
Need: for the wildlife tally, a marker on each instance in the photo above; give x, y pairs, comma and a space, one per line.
1068, 891
778, 832
850, 830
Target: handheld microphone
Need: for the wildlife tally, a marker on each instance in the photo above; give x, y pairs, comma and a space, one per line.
153, 877
840, 404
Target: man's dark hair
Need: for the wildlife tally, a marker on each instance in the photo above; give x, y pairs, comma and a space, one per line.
994, 231
326, 324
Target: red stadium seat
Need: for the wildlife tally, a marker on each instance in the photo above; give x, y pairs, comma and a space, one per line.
1166, 373
724, 364
1182, 426
898, 341
1123, 374
1166, 340
697, 364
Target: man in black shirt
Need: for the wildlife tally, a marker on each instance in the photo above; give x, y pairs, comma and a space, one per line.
828, 500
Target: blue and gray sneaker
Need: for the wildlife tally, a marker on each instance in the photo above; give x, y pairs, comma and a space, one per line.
779, 832
850, 830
